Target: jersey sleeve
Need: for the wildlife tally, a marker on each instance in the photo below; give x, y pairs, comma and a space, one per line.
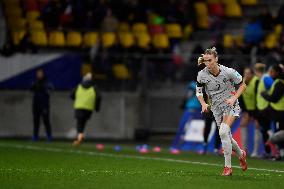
199, 81
235, 76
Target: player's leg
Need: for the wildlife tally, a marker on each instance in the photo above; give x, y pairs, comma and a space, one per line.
80, 130
46, 122
207, 129
257, 138
229, 119
244, 129
36, 122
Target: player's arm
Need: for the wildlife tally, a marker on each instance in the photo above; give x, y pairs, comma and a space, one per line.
199, 94
240, 85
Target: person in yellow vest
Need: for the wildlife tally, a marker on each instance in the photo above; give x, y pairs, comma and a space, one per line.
86, 100
248, 106
262, 104
275, 97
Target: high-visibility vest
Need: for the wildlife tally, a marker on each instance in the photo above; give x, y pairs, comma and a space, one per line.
249, 96
85, 98
279, 105
261, 103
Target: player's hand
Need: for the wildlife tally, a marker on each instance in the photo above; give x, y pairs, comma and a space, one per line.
200, 60
231, 101
204, 108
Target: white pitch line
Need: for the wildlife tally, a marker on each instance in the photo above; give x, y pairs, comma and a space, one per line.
60, 150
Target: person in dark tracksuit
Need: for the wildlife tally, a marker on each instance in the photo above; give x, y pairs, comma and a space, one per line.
86, 99
40, 104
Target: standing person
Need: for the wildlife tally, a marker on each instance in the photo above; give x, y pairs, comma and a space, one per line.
191, 108
40, 105
219, 82
265, 83
248, 106
275, 97
86, 99
209, 118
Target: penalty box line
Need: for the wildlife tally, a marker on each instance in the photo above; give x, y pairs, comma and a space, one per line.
60, 150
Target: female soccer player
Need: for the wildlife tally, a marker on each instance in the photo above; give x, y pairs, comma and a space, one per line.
219, 83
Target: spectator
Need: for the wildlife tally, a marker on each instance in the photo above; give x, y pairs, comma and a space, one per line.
266, 19
253, 32
40, 106
109, 23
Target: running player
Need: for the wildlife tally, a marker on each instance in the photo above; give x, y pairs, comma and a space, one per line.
219, 83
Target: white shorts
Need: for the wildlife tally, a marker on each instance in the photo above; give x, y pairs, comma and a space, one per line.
223, 110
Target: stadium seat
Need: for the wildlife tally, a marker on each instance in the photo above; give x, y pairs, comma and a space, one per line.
90, 39
39, 37
138, 28
203, 22
201, 8
17, 24
11, 3
86, 68
213, 1
15, 12
239, 40
126, 39
228, 41
278, 30
56, 39
73, 39
174, 30
160, 41
202, 15
31, 16
270, 41
31, 5
249, 2
17, 36
187, 31
233, 10
143, 40
120, 71
108, 39
36, 25
156, 29
216, 9
123, 27
229, 1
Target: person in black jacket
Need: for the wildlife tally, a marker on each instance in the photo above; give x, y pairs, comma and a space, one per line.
86, 99
40, 104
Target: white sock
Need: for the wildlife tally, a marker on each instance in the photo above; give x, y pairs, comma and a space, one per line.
244, 131
224, 133
235, 146
256, 141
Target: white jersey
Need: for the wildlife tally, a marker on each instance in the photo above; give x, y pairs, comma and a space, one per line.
220, 87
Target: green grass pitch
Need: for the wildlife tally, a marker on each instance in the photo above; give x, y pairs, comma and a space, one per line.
39, 165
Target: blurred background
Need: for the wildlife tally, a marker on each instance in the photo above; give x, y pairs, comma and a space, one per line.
142, 54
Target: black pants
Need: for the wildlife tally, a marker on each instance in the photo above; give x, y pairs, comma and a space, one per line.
82, 116
209, 118
38, 113
277, 116
263, 117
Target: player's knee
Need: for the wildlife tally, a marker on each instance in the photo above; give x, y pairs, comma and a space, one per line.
224, 131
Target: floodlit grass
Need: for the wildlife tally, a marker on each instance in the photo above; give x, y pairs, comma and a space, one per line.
25, 164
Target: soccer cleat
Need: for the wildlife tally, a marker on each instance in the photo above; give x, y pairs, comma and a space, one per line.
76, 142
227, 171
243, 162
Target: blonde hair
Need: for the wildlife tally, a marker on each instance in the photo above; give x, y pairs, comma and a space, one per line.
211, 51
